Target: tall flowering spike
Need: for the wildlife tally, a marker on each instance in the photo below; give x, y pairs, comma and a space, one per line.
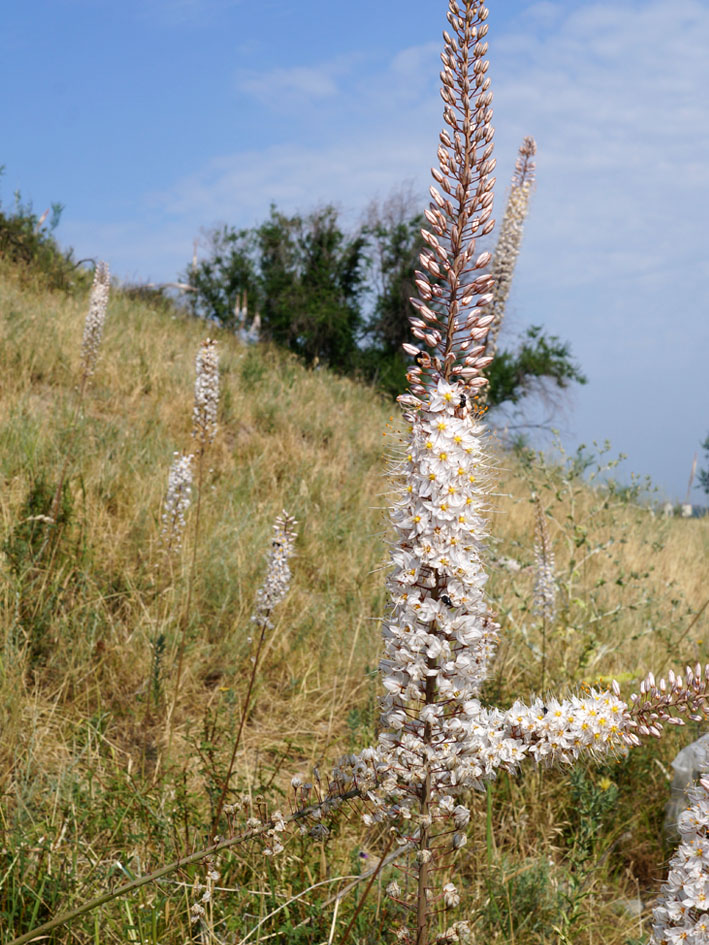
451, 309
206, 394
681, 913
510, 238
440, 636
95, 318
544, 577
177, 501
277, 581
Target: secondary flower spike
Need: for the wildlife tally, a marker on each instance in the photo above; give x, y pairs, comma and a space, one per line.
278, 575
95, 318
177, 501
681, 914
544, 576
510, 238
206, 394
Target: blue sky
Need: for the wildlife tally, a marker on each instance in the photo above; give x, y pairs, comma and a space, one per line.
156, 119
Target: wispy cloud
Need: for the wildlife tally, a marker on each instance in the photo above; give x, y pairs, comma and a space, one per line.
294, 85
614, 255
180, 13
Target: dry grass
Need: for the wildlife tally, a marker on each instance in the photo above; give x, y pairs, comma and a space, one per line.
88, 770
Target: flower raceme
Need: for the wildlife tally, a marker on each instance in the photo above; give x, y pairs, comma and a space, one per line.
95, 319
206, 394
177, 501
681, 914
440, 637
277, 581
510, 238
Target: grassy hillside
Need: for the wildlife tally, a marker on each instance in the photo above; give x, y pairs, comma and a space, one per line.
106, 771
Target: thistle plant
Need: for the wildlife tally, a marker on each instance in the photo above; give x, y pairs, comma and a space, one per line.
509, 240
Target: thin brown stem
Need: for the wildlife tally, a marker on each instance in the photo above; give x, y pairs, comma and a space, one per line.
190, 586
689, 626
164, 871
422, 904
363, 898
237, 741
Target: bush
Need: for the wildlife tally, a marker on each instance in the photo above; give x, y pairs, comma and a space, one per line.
28, 243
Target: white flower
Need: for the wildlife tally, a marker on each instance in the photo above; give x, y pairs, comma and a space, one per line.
681, 913
277, 581
451, 896
95, 319
206, 393
177, 501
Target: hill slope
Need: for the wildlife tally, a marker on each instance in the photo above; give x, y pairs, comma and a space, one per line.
102, 760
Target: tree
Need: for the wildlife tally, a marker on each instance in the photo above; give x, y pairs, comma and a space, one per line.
220, 280
302, 275
393, 232
28, 242
540, 360
311, 283
703, 474
311, 279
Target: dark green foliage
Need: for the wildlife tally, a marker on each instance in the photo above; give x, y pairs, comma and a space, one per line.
307, 280
523, 900
540, 358
703, 474
302, 275
394, 239
397, 246
593, 800
31, 246
31, 891
34, 532
228, 272
311, 281
31, 545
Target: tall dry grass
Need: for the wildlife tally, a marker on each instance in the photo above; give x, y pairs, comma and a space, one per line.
90, 792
